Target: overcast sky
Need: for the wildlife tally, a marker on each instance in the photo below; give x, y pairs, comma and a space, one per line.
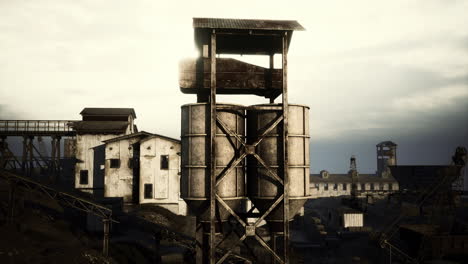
369, 70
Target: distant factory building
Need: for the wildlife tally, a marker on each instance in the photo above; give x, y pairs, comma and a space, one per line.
326, 184
97, 125
144, 168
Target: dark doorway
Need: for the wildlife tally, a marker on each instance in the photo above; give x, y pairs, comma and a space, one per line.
98, 173
135, 164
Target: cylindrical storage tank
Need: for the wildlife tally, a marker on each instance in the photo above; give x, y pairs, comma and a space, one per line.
195, 178
262, 190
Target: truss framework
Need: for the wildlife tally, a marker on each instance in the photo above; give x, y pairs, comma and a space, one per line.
250, 230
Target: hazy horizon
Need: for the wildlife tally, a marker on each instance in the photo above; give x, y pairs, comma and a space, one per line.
370, 72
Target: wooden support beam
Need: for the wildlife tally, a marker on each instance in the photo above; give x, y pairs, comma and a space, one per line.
212, 234
105, 241
270, 85
285, 148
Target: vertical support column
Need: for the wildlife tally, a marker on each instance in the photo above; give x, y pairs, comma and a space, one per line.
11, 202
157, 247
272, 100
285, 148
3, 153
105, 241
52, 157
31, 155
24, 156
57, 147
201, 244
57, 155
212, 236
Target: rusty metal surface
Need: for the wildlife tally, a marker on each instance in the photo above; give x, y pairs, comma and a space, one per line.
110, 127
108, 111
232, 77
262, 24
262, 190
195, 165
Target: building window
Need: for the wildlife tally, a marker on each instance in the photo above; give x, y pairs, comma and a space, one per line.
381, 187
345, 187
148, 190
317, 186
372, 186
335, 187
325, 186
363, 187
114, 163
164, 162
84, 177
390, 186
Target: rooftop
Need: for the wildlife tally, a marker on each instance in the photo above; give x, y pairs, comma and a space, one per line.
345, 178
257, 24
137, 134
105, 127
95, 111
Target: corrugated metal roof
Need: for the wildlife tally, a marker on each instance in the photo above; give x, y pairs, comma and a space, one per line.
100, 126
246, 24
390, 143
108, 111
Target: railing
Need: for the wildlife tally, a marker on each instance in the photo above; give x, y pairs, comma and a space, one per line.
35, 127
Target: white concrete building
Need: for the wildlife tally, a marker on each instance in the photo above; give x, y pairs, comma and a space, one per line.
98, 124
160, 173
144, 168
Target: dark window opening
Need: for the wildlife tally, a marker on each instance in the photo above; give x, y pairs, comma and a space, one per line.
390, 186
363, 187
114, 163
345, 187
164, 162
148, 191
335, 187
372, 186
84, 177
325, 186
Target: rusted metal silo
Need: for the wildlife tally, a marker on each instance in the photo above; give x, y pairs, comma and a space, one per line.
262, 190
195, 179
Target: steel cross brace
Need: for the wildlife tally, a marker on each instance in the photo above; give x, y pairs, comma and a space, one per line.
249, 229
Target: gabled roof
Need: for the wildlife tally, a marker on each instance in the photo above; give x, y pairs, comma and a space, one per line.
160, 136
100, 127
257, 24
95, 111
141, 134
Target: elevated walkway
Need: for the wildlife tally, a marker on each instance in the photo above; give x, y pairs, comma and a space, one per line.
36, 128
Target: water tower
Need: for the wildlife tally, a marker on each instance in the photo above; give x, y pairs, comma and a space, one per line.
233, 153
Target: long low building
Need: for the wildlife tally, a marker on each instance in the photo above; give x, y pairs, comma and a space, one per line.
382, 182
332, 185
